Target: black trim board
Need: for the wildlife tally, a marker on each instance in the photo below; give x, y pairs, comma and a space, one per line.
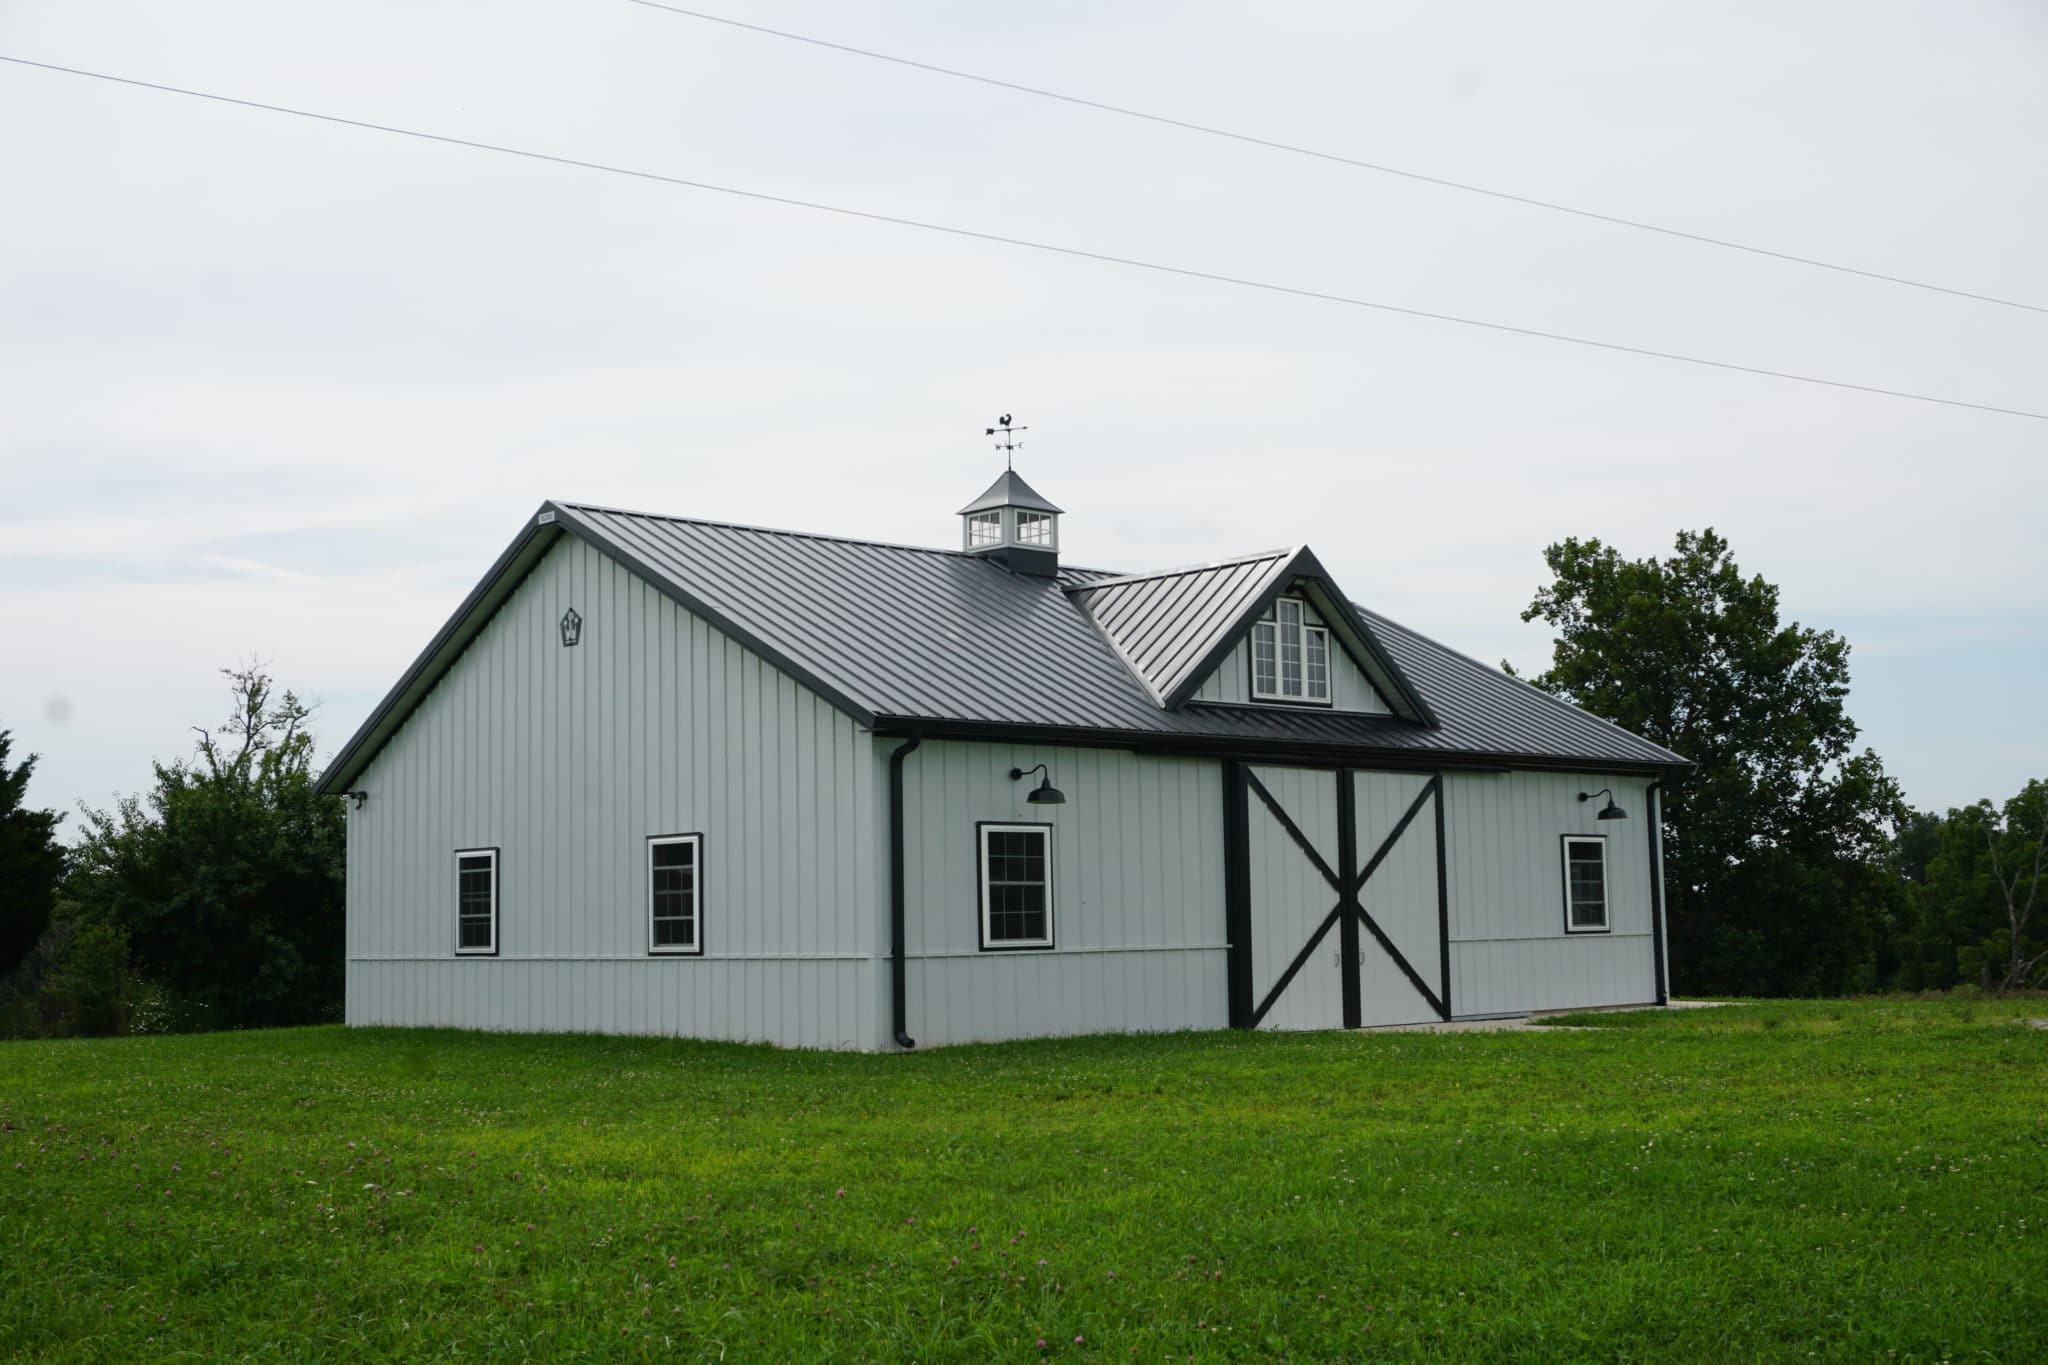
498, 583
497, 900
1052, 937
696, 837
1349, 912
519, 559
1564, 865
690, 602
553, 520
1302, 566
1301, 840
1347, 930
1263, 751
1237, 891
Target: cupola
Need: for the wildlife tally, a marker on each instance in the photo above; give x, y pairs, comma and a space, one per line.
1012, 525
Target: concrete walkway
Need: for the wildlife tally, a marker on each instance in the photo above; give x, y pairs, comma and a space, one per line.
1519, 1022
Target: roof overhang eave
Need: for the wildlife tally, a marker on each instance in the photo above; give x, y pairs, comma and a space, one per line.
1257, 747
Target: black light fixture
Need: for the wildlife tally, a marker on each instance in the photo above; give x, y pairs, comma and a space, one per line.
572, 628
358, 797
1045, 793
1612, 811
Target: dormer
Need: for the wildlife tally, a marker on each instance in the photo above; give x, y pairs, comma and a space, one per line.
1268, 631
1012, 525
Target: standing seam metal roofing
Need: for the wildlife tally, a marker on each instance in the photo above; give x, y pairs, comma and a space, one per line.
1164, 624
903, 635
922, 634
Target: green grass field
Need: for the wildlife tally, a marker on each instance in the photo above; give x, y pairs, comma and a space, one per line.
1861, 1181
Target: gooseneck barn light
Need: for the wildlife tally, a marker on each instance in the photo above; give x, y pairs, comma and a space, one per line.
1612, 811
1045, 793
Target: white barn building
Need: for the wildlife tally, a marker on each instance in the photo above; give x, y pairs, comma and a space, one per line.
678, 777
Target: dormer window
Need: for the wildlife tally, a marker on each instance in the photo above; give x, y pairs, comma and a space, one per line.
984, 528
1290, 657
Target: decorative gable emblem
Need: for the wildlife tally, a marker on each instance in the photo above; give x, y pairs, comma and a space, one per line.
572, 628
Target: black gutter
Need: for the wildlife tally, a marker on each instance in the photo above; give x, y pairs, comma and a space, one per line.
898, 990
1256, 749
1655, 829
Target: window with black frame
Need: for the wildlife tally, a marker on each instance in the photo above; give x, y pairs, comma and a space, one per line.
1585, 884
476, 900
1016, 886
675, 882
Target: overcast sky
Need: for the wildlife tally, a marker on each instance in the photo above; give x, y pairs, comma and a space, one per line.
275, 387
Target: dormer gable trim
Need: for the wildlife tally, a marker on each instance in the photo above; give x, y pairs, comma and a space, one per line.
1303, 574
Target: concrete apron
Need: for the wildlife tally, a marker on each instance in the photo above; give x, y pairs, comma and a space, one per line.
1516, 1023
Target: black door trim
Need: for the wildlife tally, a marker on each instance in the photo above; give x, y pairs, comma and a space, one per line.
1348, 880
1294, 831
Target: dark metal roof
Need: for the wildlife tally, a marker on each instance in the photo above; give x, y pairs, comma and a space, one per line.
1164, 624
902, 638
1174, 628
1009, 491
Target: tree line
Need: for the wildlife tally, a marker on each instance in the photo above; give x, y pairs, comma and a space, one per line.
1793, 866
212, 902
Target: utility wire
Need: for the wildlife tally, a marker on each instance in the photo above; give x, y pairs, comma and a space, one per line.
1076, 252
1439, 181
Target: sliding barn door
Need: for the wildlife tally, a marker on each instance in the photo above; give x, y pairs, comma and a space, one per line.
1337, 905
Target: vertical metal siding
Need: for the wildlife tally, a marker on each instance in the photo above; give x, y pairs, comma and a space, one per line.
1509, 949
1138, 916
566, 760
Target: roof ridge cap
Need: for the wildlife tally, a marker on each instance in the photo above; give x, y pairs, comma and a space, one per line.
758, 529
1284, 552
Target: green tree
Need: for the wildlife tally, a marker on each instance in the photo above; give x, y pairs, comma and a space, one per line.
227, 880
1977, 910
1777, 842
31, 862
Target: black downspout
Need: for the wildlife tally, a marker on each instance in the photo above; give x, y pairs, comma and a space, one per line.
1655, 827
899, 1003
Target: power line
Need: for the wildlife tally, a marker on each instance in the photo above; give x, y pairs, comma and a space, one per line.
1341, 160
1077, 252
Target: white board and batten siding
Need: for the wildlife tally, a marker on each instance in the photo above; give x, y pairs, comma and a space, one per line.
1137, 883
566, 760
1509, 950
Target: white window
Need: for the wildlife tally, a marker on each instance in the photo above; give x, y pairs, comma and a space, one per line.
1585, 884
1016, 886
476, 900
1034, 528
675, 900
985, 528
1290, 657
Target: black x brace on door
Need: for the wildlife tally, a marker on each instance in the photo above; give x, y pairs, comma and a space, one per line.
1347, 880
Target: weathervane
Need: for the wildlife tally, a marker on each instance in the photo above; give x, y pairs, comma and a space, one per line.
1009, 444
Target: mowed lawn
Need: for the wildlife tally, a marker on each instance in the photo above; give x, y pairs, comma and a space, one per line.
1861, 1181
